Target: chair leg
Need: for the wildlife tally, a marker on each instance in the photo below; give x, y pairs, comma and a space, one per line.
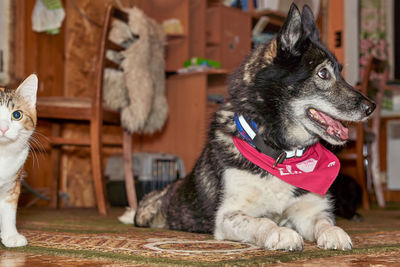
97, 166
129, 179
55, 156
376, 174
361, 180
360, 171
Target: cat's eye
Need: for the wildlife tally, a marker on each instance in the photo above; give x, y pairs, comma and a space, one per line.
16, 115
324, 74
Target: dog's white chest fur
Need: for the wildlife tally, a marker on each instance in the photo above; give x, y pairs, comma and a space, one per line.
264, 211
256, 196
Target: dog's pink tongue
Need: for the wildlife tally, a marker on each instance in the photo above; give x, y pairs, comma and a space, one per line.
335, 127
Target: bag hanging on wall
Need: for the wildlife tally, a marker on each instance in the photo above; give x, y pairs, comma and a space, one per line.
48, 16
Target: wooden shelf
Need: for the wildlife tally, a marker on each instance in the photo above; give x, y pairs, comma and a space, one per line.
269, 13
173, 36
275, 17
208, 72
218, 71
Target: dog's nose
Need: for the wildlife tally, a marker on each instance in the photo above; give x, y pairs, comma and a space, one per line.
368, 107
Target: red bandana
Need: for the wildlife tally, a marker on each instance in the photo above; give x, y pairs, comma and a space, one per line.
315, 171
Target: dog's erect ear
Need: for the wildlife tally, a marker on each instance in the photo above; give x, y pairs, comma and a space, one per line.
291, 31
309, 26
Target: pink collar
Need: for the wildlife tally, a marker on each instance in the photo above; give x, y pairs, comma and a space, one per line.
315, 171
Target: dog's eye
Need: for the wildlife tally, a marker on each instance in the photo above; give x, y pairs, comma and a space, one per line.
324, 74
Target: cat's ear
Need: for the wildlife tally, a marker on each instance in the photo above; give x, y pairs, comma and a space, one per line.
28, 89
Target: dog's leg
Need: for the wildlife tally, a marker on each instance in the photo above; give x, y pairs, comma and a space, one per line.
329, 236
311, 216
237, 226
149, 212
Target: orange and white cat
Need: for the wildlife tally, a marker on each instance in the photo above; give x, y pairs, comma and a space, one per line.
17, 123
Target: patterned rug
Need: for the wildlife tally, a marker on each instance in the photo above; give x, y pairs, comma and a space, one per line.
84, 234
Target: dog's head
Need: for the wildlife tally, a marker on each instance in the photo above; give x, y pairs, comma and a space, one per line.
293, 88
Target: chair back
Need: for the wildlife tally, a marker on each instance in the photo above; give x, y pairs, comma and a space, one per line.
379, 67
112, 13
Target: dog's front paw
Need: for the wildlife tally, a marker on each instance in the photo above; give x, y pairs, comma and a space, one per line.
16, 240
334, 238
283, 238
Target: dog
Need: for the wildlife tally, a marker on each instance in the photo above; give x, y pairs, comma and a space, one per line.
262, 176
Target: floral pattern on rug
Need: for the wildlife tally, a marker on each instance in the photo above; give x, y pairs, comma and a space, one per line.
82, 233
380, 259
201, 248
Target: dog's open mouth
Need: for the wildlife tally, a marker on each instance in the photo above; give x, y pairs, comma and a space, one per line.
333, 127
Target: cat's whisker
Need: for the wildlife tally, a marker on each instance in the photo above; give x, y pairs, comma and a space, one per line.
37, 133
38, 146
37, 136
35, 159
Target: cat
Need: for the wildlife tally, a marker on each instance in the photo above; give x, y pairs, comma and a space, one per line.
17, 123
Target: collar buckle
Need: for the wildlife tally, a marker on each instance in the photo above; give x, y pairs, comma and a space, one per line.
279, 159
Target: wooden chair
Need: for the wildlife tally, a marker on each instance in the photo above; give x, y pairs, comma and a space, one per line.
60, 110
366, 138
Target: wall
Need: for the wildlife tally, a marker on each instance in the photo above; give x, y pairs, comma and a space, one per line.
351, 42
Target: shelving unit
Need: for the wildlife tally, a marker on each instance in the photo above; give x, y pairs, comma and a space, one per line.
178, 44
276, 17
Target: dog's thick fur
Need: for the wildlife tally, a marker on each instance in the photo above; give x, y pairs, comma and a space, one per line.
229, 196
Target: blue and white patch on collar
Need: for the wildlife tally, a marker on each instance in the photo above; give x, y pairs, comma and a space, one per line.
248, 131
245, 130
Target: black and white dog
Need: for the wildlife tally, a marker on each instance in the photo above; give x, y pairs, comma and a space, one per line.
262, 176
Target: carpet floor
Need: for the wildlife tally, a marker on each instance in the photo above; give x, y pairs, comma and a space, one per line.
80, 237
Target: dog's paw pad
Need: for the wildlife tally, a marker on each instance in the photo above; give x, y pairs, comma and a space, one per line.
16, 240
334, 238
282, 238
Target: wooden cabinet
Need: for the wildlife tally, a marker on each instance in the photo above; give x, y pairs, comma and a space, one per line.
228, 36
210, 30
